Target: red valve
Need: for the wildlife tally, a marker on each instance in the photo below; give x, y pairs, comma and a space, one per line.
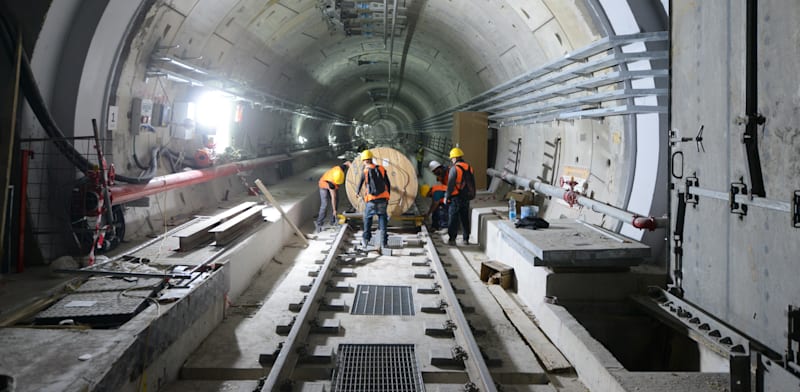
643, 222
571, 197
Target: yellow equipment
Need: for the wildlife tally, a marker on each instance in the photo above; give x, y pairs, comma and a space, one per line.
424, 189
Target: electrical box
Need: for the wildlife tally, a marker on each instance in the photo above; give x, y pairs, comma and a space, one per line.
183, 124
141, 114
161, 113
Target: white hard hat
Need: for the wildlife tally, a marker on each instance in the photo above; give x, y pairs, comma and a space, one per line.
433, 165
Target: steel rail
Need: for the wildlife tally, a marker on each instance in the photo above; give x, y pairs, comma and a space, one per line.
463, 333
284, 365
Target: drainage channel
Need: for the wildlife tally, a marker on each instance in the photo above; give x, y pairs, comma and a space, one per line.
387, 359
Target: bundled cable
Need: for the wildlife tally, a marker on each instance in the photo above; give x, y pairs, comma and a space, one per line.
34, 96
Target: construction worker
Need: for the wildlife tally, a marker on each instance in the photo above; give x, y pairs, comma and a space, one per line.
420, 159
440, 171
459, 206
328, 188
376, 198
438, 210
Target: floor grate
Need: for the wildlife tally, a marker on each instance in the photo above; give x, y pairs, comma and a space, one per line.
377, 367
383, 300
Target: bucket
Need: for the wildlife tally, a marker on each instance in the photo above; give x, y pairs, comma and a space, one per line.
526, 211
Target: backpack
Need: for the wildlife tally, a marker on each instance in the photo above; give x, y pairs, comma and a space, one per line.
467, 186
375, 181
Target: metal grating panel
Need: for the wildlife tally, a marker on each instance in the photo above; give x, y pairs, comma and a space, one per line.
377, 367
96, 284
101, 309
383, 300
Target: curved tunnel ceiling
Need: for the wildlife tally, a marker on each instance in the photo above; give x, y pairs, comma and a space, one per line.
446, 53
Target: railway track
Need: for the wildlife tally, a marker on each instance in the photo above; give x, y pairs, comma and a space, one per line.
379, 363
415, 317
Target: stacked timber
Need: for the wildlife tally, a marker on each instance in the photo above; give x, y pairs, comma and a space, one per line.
225, 233
402, 174
224, 226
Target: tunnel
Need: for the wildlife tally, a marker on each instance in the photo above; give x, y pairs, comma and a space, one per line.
656, 140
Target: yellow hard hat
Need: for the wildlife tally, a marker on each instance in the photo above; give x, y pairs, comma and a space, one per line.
338, 177
456, 153
366, 154
424, 189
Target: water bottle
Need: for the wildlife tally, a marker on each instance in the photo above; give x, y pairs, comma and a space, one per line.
512, 209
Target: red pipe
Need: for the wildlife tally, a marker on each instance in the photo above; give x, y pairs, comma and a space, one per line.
125, 193
23, 204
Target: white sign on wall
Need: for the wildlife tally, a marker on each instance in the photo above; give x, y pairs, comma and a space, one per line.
113, 112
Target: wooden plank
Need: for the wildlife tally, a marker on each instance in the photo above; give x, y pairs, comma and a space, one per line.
228, 231
198, 233
551, 358
275, 204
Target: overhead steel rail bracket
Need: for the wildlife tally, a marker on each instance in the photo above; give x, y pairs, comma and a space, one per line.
739, 199
539, 95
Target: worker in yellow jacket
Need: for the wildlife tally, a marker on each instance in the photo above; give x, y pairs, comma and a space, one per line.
328, 188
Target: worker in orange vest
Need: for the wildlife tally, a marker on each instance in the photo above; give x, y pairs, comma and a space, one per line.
459, 204
376, 197
328, 188
438, 210
439, 170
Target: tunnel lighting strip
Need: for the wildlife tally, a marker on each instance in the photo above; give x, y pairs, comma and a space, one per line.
281, 371
197, 76
526, 88
463, 332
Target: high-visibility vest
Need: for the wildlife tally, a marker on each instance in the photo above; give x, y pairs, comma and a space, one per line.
460, 176
439, 188
328, 177
367, 196
444, 177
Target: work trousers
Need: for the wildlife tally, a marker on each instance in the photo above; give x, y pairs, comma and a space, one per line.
324, 201
376, 207
459, 212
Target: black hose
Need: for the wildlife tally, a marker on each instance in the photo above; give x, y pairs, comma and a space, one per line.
135, 158
188, 162
151, 171
34, 97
